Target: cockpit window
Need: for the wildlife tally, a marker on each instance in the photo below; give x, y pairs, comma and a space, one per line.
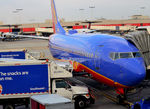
116, 56
136, 54
112, 55
126, 55
119, 55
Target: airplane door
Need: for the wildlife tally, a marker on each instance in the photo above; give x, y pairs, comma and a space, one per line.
60, 87
97, 59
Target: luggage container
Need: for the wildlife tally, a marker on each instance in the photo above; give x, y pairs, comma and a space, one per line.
50, 101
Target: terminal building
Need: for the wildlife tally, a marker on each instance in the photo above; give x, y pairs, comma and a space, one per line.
45, 28
1, 23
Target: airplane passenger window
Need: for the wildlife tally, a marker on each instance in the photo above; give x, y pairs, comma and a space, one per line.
126, 55
136, 54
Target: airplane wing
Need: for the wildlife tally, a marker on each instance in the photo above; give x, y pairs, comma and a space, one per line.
31, 36
13, 36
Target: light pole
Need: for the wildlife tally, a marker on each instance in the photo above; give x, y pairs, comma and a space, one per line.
82, 13
92, 7
142, 10
19, 14
17, 11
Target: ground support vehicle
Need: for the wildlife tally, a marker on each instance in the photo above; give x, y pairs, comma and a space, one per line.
19, 80
50, 101
15, 54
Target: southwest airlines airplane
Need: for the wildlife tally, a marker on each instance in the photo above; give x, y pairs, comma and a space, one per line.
108, 59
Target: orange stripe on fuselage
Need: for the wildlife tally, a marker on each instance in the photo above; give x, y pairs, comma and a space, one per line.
96, 76
100, 77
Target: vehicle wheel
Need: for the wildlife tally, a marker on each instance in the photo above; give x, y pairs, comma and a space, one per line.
92, 100
9, 106
119, 99
79, 103
26, 105
137, 106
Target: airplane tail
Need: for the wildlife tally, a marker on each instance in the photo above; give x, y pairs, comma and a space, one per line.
56, 24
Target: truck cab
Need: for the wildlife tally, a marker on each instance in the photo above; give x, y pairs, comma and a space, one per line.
65, 86
80, 94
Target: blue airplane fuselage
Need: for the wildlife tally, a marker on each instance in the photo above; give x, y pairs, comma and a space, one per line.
97, 54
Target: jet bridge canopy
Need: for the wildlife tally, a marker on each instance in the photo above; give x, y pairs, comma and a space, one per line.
141, 40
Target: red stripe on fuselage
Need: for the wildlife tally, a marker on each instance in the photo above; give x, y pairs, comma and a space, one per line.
98, 77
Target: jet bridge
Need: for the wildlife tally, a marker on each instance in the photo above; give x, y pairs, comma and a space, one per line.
141, 40
141, 98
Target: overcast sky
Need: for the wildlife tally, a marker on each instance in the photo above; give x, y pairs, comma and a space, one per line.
39, 10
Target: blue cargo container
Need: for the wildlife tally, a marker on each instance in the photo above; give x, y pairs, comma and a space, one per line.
18, 79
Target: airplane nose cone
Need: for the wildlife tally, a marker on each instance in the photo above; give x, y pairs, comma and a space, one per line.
137, 76
133, 74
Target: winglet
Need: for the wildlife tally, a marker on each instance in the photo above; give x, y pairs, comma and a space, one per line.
56, 24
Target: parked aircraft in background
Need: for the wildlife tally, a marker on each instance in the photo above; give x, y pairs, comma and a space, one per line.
9, 36
12, 34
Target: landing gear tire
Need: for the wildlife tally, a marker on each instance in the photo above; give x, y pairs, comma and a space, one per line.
120, 99
137, 106
80, 103
9, 106
26, 105
92, 100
